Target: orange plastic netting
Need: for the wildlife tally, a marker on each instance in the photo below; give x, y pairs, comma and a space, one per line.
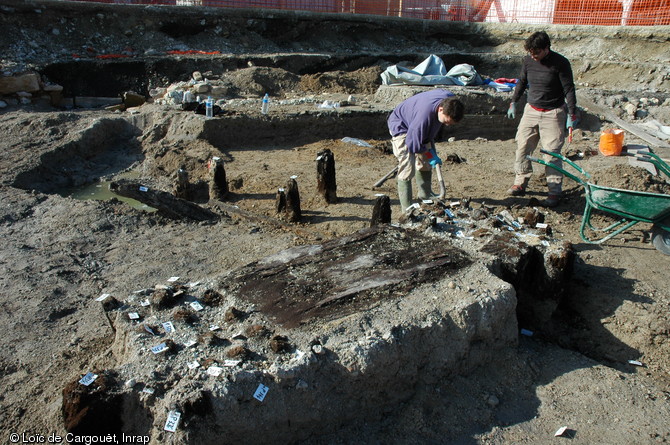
573, 12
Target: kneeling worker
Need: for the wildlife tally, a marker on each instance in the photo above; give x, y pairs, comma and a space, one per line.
414, 124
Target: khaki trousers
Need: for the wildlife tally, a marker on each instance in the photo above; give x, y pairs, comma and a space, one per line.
408, 162
547, 127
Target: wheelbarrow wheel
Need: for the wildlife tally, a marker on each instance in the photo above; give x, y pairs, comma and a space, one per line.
661, 239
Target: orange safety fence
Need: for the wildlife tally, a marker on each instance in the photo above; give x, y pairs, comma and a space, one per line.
567, 12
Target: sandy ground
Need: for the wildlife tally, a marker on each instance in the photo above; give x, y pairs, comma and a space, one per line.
60, 253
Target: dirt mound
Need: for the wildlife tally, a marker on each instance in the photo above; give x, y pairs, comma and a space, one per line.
363, 81
256, 81
628, 177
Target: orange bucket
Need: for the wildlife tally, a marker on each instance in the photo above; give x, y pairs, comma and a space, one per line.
611, 142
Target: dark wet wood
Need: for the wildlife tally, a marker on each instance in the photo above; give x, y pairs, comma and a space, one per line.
166, 203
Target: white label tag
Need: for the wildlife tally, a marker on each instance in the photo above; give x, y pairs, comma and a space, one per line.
159, 348
190, 343
133, 315
168, 327
172, 279
88, 378
196, 306
144, 189
172, 421
103, 297
231, 363
214, 371
261, 392
214, 327
541, 225
560, 431
148, 390
193, 365
454, 203
635, 362
145, 303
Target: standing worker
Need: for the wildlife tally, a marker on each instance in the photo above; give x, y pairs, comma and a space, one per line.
548, 77
413, 125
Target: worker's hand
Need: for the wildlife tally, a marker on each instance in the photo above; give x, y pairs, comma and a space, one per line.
572, 122
432, 158
511, 113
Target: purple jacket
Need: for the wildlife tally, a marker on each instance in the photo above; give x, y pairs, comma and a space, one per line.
417, 117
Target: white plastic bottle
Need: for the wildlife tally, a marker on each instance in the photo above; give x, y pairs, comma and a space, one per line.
209, 107
266, 104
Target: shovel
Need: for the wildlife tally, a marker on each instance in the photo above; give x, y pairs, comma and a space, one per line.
440, 179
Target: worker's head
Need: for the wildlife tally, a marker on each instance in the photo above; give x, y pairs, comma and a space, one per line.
538, 45
450, 111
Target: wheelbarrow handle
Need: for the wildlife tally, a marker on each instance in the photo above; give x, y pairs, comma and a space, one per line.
653, 159
567, 161
560, 169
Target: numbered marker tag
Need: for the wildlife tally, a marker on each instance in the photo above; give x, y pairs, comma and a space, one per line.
231, 363
635, 362
168, 327
159, 348
148, 390
193, 365
560, 431
427, 201
144, 189
214, 327
541, 225
145, 303
172, 279
196, 306
454, 203
449, 213
172, 421
190, 343
214, 371
294, 177
261, 392
103, 297
133, 315
88, 378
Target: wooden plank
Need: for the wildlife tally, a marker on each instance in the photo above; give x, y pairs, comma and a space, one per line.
166, 203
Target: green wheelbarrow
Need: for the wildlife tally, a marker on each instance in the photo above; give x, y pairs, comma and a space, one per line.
631, 206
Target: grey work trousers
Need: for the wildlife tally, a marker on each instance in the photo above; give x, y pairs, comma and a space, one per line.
547, 127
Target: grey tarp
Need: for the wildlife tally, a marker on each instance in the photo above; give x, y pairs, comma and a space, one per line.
431, 72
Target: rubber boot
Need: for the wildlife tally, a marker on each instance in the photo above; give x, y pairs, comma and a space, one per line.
404, 194
423, 181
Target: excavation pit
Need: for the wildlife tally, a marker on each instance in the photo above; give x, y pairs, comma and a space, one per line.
435, 362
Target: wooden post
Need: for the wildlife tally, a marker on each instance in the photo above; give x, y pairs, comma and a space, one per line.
293, 200
182, 186
218, 186
381, 212
280, 203
325, 175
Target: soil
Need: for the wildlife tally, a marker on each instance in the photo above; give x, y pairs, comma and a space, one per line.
60, 253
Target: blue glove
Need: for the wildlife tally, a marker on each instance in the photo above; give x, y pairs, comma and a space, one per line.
572, 122
433, 158
511, 113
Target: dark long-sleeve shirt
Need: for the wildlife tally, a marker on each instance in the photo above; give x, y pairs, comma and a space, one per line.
549, 82
417, 117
